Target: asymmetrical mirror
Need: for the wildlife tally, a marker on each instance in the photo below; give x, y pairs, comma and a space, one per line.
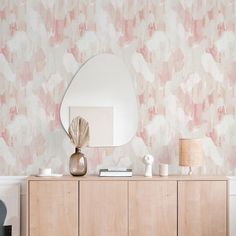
102, 92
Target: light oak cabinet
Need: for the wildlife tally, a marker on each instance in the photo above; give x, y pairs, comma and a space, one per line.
152, 208
53, 208
136, 206
103, 208
202, 208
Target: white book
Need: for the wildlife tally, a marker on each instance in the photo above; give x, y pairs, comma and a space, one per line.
117, 169
115, 173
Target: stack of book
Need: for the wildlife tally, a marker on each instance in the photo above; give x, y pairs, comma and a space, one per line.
115, 172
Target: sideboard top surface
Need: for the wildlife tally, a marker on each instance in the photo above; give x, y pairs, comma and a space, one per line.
133, 178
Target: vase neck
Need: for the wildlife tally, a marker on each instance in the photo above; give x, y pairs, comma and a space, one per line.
77, 149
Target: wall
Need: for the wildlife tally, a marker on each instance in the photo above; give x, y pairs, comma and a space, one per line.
181, 54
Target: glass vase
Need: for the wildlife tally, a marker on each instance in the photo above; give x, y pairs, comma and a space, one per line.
78, 163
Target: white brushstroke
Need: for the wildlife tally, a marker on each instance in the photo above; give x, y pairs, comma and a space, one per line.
53, 81
139, 147
52, 140
182, 34
20, 131
117, 4
141, 66
190, 83
159, 129
175, 115
71, 65
170, 27
170, 104
159, 43
107, 161
226, 129
21, 44
106, 31
48, 4
124, 161
187, 4
3, 4
6, 70
101, 19
211, 67
121, 158
33, 20
226, 43
35, 113
88, 42
210, 151
5, 152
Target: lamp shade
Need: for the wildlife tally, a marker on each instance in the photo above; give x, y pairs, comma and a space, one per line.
190, 152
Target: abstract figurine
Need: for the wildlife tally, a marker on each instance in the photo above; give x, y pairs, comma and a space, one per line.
148, 160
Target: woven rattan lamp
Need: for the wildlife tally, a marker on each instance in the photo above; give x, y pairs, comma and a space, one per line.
190, 153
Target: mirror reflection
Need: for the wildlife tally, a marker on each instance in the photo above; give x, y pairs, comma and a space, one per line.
102, 93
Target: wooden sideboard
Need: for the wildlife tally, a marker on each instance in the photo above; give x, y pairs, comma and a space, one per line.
127, 206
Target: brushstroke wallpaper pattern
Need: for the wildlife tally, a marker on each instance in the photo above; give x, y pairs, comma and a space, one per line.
182, 56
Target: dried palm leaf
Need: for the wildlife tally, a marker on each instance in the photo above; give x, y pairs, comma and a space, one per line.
79, 132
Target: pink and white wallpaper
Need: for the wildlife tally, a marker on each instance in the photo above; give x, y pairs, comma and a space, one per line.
182, 56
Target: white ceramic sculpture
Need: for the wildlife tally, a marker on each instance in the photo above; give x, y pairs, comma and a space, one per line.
148, 160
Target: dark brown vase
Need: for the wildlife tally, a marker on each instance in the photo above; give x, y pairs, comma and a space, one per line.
78, 163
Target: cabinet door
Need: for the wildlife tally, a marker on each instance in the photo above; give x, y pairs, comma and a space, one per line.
152, 208
202, 208
53, 208
232, 215
103, 208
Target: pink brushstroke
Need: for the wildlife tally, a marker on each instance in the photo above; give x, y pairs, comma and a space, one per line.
6, 52
197, 114
164, 73
37, 147
2, 15
213, 135
177, 60
232, 74
13, 28
26, 73
128, 26
56, 122
39, 58
13, 112
221, 29
214, 52
197, 32
58, 32
2, 99
210, 14
220, 112
141, 99
5, 135
232, 158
